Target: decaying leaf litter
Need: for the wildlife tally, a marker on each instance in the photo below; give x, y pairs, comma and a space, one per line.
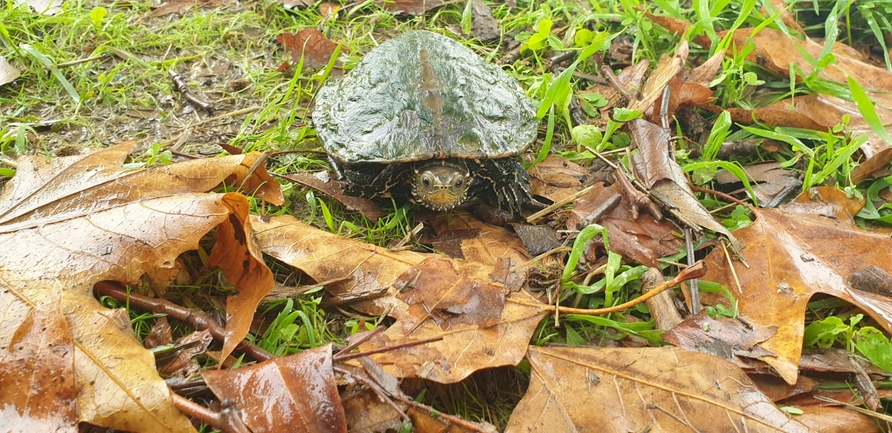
478, 302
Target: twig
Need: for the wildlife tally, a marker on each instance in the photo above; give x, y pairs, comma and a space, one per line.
199, 320
540, 214
79, 61
183, 87
696, 270
226, 420
377, 389
347, 356
470, 426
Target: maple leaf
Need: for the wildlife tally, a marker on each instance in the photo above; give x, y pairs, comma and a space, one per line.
68, 223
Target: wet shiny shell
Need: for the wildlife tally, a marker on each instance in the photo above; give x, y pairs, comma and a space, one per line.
422, 96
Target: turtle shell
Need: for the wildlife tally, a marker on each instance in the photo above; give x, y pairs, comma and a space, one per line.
423, 96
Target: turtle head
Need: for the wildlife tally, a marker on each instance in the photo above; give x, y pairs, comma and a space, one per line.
441, 185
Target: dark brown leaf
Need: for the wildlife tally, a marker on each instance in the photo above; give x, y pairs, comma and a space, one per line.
296, 391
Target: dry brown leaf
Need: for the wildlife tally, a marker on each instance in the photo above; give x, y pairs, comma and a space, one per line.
837, 420
310, 44
325, 256
335, 190
722, 337
641, 389
816, 112
776, 389
643, 240
779, 52
692, 87
667, 68
475, 241
464, 349
655, 166
555, 178
434, 290
70, 222
297, 392
808, 247
8, 73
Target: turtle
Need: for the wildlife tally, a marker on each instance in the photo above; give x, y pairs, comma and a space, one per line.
425, 119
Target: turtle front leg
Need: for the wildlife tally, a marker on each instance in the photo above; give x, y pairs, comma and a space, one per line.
372, 180
508, 181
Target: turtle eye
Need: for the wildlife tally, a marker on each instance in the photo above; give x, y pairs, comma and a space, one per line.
459, 182
426, 181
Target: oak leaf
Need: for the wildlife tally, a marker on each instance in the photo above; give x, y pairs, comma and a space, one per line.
808, 247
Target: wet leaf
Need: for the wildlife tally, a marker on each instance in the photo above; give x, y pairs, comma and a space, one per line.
483, 333
465, 347
296, 391
434, 290
722, 337
655, 166
555, 178
358, 267
335, 190
810, 246
84, 219
40, 357
638, 389
310, 44
643, 240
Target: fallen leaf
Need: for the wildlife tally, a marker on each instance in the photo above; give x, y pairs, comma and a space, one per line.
555, 178
410, 7
359, 267
497, 336
296, 391
816, 112
434, 290
70, 222
335, 190
837, 420
807, 247
643, 240
656, 168
40, 357
44, 7
464, 348
771, 183
724, 338
8, 73
309, 44
640, 389
667, 68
